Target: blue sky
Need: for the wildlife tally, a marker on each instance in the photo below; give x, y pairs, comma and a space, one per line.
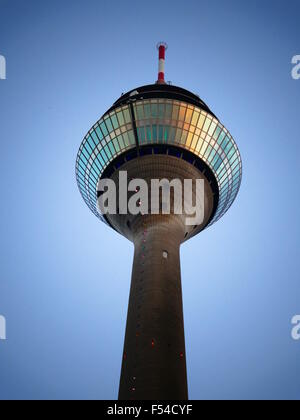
65, 276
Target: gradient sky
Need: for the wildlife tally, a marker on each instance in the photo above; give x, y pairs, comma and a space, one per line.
65, 276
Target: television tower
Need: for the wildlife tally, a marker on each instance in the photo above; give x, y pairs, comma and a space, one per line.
158, 131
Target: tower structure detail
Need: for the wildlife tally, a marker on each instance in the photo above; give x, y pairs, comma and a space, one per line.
158, 131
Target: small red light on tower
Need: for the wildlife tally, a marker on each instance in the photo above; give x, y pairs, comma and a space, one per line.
162, 47
152, 343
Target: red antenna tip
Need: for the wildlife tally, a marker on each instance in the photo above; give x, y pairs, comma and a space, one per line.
162, 47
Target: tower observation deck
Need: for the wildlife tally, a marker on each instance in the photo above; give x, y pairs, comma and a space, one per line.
163, 132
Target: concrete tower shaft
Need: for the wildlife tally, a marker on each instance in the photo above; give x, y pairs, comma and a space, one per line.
154, 361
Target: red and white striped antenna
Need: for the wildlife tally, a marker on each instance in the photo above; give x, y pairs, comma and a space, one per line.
162, 47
